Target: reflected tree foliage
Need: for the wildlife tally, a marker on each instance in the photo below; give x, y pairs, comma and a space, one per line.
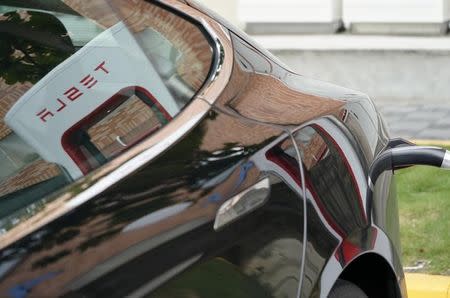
32, 44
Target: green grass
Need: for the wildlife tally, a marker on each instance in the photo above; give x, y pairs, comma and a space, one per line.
424, 205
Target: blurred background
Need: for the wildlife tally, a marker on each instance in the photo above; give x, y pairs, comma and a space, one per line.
396, 51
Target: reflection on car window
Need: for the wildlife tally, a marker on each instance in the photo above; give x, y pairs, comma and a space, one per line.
335, 190
81, 83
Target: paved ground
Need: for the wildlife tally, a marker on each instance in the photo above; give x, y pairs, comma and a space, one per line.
425, 122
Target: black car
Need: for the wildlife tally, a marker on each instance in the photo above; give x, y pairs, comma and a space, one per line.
149, 149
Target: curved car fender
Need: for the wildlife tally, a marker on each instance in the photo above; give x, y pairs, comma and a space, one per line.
377, 243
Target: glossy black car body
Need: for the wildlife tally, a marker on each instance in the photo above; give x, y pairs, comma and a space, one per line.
147, 223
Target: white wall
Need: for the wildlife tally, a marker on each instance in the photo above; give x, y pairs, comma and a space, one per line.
316, 11
290, 11
226, 8
397, 11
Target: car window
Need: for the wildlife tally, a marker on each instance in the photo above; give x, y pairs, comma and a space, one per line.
81, 83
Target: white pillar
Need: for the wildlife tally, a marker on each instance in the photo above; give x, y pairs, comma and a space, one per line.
226, 8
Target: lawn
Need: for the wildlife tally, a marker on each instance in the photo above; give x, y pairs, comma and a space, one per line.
424, 204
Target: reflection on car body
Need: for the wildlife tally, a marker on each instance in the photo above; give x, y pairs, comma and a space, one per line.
160, 159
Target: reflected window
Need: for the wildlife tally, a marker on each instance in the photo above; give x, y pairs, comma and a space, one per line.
14, 155
330, 179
